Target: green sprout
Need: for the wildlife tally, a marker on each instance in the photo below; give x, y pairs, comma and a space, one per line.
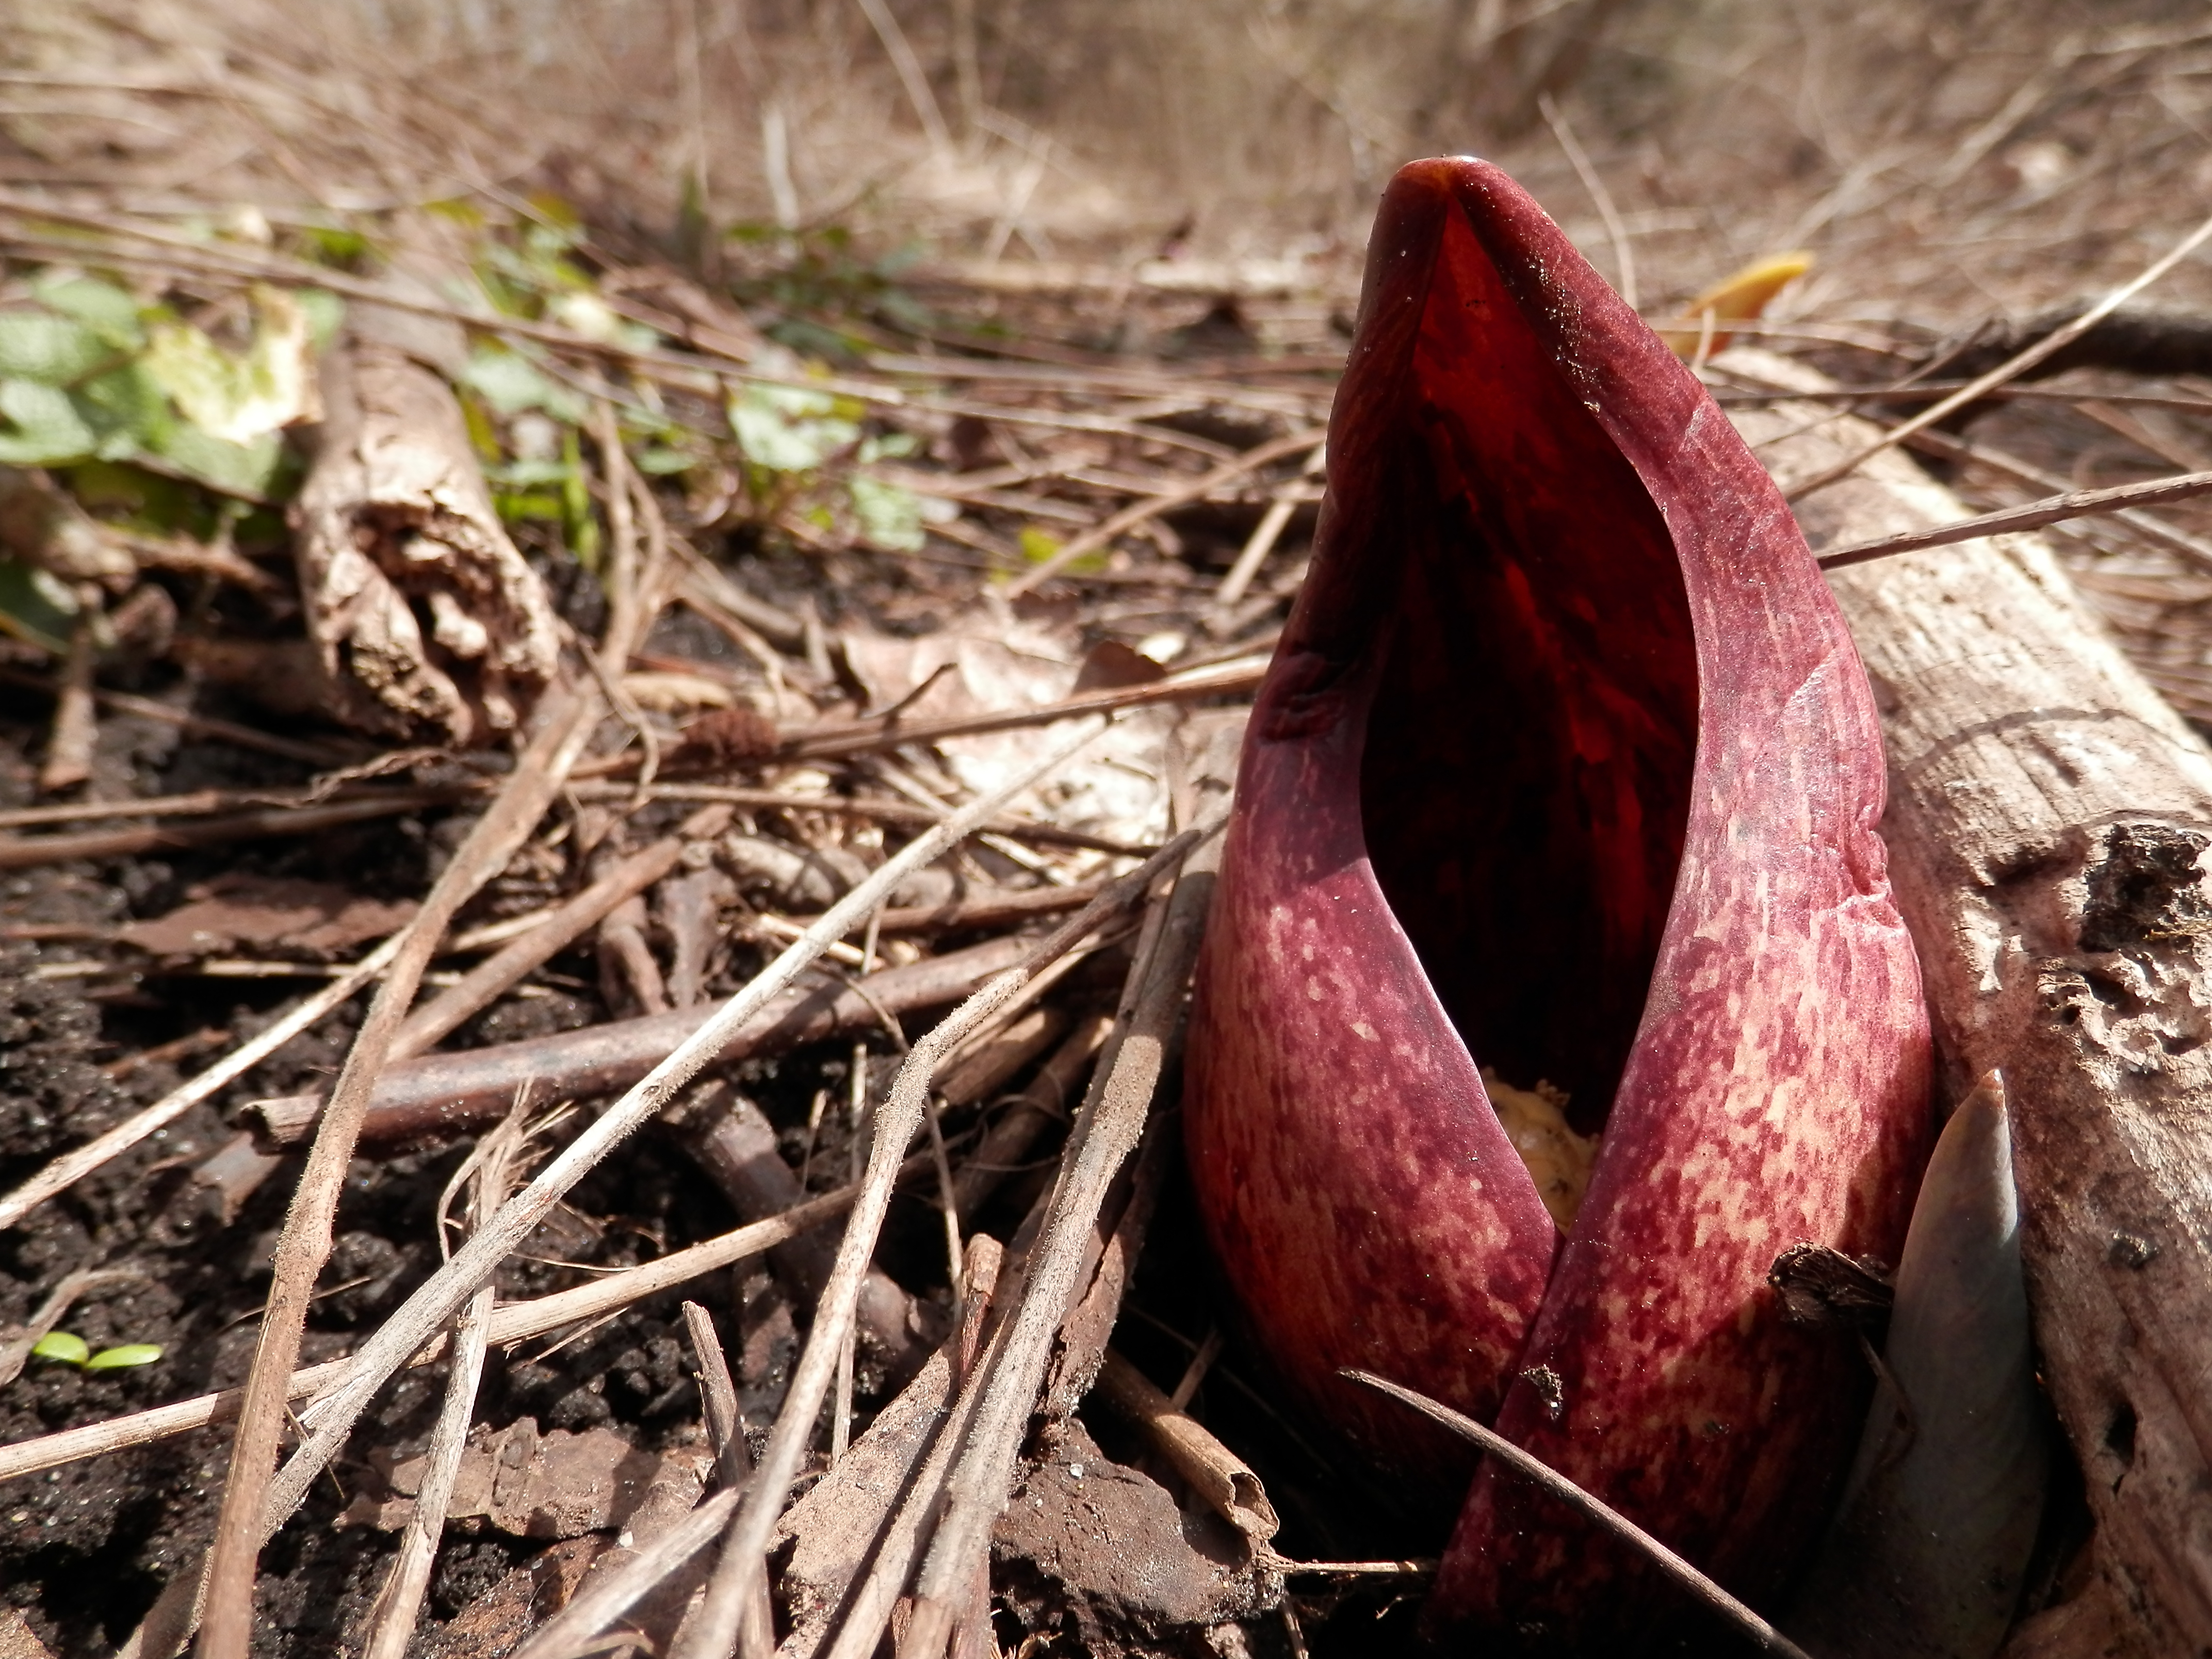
65, 1348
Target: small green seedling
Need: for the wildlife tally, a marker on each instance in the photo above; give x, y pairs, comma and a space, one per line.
65, 1349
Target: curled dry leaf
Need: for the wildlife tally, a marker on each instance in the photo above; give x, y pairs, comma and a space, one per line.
276, 913
426, 621
1565, 766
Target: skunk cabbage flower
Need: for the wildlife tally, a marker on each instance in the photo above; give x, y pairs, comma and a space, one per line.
1564, 775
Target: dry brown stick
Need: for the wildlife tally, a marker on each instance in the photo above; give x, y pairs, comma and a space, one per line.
332, 1417
1559, 1487
1109, 1127
715, 1630
864, 737
2013, 367
19, 853
1217, 1474
733, 1142
1130, 517
866, 1608
2029, 515
198, 804
568, 717
391, 1620
904, 813
571, 1633
492, 978
1260, 543
517, 1322
466, 1088
75, 1165
2157, 531
204, 725
718, 1398
1007, 1142
74, 732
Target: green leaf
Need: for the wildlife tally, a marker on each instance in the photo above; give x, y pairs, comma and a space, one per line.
37, 345
46, 427
109, 311
1036, 545
246, 471
789, 429
595, 319
137, 498
658, 461
525, 473
579, 526
536, 505
237, 399
34, 607
124, 1357
325, 312
62, 1348
511, 383
125, 403
890, 517
341, 249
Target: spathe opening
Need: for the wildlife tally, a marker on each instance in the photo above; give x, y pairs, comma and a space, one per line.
1528, 754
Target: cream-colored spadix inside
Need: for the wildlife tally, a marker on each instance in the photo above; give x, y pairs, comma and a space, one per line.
1558, 1159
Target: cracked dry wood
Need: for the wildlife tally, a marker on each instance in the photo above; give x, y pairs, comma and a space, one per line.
425, 620
2047, 813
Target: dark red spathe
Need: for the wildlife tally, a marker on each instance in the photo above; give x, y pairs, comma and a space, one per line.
1565, 766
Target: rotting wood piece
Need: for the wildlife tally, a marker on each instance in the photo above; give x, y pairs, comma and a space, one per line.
2047, 816
394, 512
442, 1094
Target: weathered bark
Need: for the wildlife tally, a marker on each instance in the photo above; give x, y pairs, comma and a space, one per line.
395, 514
2047, 813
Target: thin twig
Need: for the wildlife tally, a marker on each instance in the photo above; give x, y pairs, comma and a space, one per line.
21, 852
2029, 516
332, 1417
1108, 1128
1557, 1485
73, 1165
715, 1630
1130, 517
493, 977
517, 1322
864, 736
1624, 258
1261, 543
391, 1620
2014, 366
539, 771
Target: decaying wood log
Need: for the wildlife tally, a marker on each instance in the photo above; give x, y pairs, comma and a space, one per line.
394, 514
2047, 816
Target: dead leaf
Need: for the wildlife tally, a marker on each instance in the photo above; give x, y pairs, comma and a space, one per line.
995, 662
495, 1624
558, 1485
273, 914
1108, 1545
